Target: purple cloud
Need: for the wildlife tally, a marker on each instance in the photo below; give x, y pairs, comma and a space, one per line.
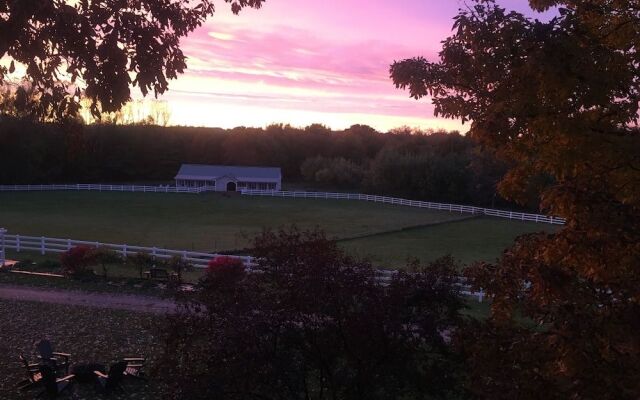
314, 58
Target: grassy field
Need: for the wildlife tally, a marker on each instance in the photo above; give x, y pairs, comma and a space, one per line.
101, 337
214, 222
478, 239
204, 222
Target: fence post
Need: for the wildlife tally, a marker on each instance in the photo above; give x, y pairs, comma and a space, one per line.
2, 253
68, 244
18, 243
42, 246
124, 250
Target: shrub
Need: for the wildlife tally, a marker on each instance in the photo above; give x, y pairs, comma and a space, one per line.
222, 274
49, 265
178, 265
142, 260
27, 262
222, 262
104, 257
76, 260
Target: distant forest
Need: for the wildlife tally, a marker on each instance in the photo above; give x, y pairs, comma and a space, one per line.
437, 166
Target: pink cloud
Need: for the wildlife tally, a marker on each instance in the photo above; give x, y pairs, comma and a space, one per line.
331, 57
289, 49
351, 74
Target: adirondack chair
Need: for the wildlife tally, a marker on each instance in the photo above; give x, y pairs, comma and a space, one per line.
56, 360
54, 387
34, 377
134, 367
109, 383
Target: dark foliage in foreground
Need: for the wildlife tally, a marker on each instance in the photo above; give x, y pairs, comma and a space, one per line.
561, 99
102, 47
314, 324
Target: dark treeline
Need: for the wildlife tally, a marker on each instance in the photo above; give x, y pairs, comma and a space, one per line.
436, 166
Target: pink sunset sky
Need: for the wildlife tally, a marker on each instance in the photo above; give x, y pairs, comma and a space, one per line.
302, 62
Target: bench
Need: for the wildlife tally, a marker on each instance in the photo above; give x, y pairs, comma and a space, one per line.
160, 274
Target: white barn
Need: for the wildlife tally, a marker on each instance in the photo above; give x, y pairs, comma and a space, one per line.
224, 178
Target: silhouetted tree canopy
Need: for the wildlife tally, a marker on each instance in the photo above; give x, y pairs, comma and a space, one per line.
98, 47
436, 166
558, 100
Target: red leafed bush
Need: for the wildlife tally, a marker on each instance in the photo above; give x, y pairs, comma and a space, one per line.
76, 260
223, 273
224, 262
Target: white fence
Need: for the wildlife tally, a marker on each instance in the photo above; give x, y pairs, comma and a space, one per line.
105, 188
307, 195
45, 245
411, 203
386, 275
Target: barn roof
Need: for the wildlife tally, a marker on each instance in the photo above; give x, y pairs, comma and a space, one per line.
194, 171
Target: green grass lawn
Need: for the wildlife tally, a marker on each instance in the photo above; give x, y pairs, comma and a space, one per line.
216, 222
200, 222
478, 239
90, 336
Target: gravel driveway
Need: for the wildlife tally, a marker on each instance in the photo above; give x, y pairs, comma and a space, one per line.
99, 300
